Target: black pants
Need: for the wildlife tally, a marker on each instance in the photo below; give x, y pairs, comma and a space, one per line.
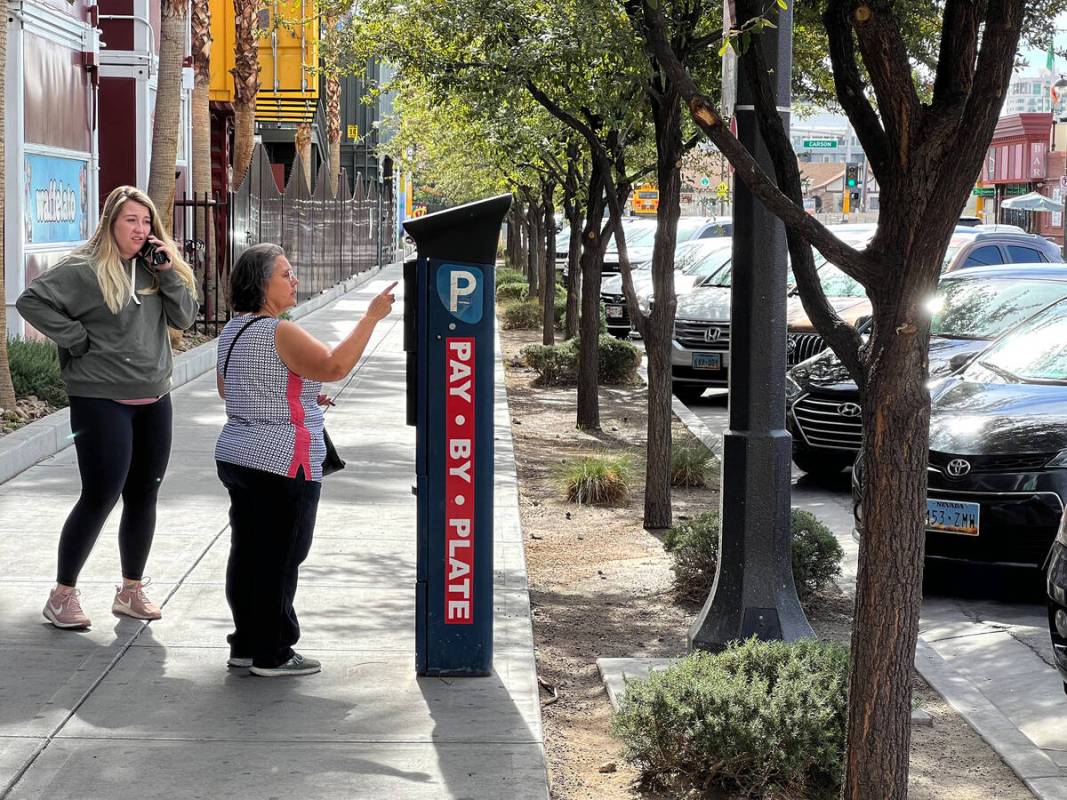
122, 451
272, 519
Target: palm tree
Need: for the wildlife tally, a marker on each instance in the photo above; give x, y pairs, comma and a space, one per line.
168, 107
245, 85
333, 129
200, 18
7, 389
303, 149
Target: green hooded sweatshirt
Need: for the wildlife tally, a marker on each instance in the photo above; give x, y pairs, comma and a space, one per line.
122, 356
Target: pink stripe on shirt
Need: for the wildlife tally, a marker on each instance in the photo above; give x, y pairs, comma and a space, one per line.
302, 439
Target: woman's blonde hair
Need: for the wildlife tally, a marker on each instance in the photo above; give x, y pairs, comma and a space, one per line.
104, 256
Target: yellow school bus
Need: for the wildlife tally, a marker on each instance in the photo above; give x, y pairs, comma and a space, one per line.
646, 199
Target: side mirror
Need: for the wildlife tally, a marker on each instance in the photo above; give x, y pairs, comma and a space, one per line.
959, 361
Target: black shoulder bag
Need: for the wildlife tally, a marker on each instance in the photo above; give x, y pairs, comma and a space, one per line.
332, 462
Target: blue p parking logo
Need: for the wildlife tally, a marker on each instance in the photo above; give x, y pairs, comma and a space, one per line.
460, 290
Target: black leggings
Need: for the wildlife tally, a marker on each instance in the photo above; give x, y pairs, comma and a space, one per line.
122, 451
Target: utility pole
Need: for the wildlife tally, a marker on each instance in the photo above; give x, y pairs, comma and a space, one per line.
754, 592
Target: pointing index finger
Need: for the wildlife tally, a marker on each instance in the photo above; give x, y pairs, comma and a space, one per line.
390, 287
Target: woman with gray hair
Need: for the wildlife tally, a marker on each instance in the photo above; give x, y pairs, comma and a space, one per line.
270, 451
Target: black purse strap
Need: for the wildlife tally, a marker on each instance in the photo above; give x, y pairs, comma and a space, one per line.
229, 352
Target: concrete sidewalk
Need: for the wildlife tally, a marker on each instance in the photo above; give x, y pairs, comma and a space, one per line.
150, 710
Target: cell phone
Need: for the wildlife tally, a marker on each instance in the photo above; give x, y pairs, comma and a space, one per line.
153, 256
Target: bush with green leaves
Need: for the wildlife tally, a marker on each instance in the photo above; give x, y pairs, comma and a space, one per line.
524, 315
694, 550
35, 370
512, 290
597, 480
764, 719
557, 365
510, 276
692, 463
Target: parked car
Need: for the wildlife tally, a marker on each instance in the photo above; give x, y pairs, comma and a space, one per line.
640, 232
1056, 581
997, 477
693, 261
972, 307
700, 355
639, 241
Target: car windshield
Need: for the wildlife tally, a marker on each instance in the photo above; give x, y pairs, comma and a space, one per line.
1035, 352
836, 283
984, 309
688, 227
709, 262
639, 234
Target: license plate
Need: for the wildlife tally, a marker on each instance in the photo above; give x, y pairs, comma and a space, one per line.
613, 312
949, 516
707, 361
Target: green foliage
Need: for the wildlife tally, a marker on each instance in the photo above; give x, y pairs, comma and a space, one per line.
694, 549
597, 480
692, 463
513, 290
520, 315
557, 365
765, 719
510, 276
35, 370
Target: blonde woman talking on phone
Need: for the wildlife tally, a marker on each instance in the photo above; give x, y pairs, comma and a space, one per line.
107, 306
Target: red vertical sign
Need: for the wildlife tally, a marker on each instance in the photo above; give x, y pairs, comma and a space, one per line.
459, 481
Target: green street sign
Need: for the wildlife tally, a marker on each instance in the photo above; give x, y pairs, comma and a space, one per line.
984, 191
821, 144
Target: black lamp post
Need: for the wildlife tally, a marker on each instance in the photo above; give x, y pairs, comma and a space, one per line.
754, 593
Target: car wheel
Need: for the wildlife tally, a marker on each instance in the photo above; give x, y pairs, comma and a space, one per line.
820, 464
687, 392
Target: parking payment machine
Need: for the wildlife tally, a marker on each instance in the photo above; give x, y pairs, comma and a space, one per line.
449, 328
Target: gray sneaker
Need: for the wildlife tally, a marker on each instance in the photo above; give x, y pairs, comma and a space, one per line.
297, 665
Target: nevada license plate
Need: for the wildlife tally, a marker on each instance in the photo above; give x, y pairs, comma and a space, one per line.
949, 516
613, 312
707, 360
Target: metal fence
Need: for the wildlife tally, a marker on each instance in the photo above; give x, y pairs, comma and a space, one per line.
327, 238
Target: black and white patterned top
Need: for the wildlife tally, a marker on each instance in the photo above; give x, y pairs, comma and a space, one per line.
273, 422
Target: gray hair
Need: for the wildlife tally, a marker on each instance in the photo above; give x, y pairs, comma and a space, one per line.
249, 276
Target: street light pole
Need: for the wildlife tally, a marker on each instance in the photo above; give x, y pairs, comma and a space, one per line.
754, 592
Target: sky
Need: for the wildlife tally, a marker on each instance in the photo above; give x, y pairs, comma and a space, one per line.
1037, 58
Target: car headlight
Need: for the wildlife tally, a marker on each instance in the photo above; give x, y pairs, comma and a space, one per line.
792, 389
1061, 534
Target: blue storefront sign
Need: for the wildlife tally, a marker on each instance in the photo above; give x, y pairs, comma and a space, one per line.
56, 197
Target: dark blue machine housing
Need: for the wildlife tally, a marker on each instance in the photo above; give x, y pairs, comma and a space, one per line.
449, 328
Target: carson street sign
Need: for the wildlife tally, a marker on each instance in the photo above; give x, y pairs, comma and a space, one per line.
820, 144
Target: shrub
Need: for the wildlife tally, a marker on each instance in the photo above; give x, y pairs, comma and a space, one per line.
35, 370
520, 316
692, 463
597, 480
766, 719
694, 548
816, 554
512, 290
510, 276
557, 365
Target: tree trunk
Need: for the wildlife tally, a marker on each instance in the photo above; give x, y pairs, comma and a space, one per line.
592, 262
514, 237
7, 389
896, 409
533, 251
168, 108
333, 131
303, 149
203, 224
245, 87
574, 274
548, 283
659, 328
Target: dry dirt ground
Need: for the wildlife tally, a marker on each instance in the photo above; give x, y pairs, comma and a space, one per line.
600, 585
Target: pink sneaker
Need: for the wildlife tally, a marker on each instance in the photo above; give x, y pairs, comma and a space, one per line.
64, 610
133, 602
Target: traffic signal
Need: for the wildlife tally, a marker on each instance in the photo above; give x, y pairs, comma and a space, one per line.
855, 199
852, 175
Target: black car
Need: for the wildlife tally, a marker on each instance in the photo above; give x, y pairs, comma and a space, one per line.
997, 475
1057, 599
972, 307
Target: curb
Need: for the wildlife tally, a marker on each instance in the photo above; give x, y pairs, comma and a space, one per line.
1034, 768
45, 437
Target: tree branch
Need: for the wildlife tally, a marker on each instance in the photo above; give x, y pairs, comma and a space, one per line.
959, 49
1003, 24
708, 119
